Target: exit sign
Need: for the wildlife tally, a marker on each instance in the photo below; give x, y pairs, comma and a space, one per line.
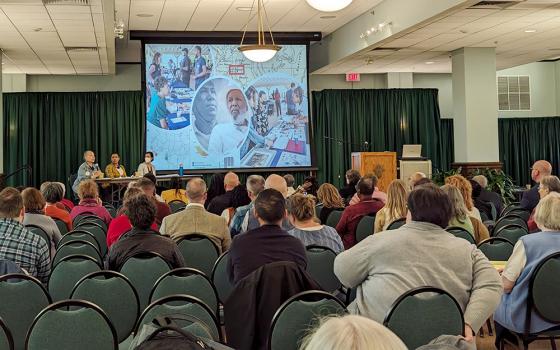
352, 76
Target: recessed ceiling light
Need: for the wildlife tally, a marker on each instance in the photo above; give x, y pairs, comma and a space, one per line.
530, 30
37, 29
327, 17
244, 8
430, 62
144, 15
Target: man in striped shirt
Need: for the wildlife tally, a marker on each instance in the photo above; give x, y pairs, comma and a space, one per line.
17, 244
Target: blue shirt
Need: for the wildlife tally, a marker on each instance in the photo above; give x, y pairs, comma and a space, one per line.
322, 235
198, 64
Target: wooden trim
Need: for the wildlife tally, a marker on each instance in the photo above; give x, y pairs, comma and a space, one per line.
468, 167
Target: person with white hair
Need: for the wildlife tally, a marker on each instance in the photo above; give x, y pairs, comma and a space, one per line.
89, 170
486, 195
414, 178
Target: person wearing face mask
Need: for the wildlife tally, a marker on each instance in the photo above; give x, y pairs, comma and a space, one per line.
147, 166
88, 170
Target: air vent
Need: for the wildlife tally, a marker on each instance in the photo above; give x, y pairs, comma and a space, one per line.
80, 49
382, 51
66, 2
514, 93
495, 4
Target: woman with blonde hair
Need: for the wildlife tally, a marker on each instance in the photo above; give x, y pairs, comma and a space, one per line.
465, 187
395, 208
330, 199
461, 218
352, 332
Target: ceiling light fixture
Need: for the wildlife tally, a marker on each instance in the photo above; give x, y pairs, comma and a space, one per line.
244, 8
530, 30
329, 6
38, 29
376, 29
144, 15
430, 62
327, 17
261, 51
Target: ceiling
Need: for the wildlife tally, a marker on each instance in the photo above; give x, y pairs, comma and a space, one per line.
427, 48
35, 38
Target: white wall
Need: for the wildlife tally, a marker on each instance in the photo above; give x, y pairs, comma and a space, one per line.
338, 81
443, 83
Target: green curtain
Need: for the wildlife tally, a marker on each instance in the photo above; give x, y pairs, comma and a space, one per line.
447, 143
526, 140
385, 118
50, 132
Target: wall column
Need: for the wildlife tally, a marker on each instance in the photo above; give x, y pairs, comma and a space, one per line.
399, 80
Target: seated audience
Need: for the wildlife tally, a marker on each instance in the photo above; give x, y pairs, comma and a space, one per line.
547, 185
530, 199
414, 178
423, 181
52, 193
115, 169
266, 244
352, 215
66, 203
487, 195
196, 220
90, 202
301, 212
175, 192
221, 202
215, 188
290, 180
34, 208
149, 189
17, 244
347, 192
529, 251
421, 253
329, 200
153, 179
141, 211
465, 188
351, 332
121, 224
377, 194
395, 208
255, 185
239, 198
147, 167
460, 217
482, 206
87, 171
309, 186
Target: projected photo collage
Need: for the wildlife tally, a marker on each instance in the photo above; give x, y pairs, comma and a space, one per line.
209, 108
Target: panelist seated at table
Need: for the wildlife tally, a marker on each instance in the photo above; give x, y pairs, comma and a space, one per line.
88, 170
147, 166
115, 169
158, 108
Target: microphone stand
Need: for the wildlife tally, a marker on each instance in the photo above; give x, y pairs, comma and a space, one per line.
3, 177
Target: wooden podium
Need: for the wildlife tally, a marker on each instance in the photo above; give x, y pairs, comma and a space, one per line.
381, 164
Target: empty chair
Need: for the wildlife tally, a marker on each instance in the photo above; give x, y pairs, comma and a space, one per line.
422, 314
496, 248
98, 231
334, 218
522, 213
220, 277
22, 297
92, 219
297, 315
143, 270
61, 226
199, 252
71, 325
183, 305
76, 247
320, 265
177, 206
68, 272
511, 232
79, 235
115, 295
83, 216
365, 227
461, 233
6, 339
40, 232
510, 207
509, 220
396, 224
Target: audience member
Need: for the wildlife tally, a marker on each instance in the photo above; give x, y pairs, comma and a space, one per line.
347, 192
486, 195
290, 181
239, 198
414, 178
309, 186
88, 170
352, 215
196, 220
395, 208
329, 200
90, 202
459, 212
426, 255
141, 211
52, 193
221, 202
255, 185
66, 203
423, 181
351, 332
149, 189
147, 167
548, 184
17, 244
465, 188
266, 244
483, 207
121, 224
215, 188
175, 192
153, 179
377, 194
531, 197
301, 212
34, 208
529, 251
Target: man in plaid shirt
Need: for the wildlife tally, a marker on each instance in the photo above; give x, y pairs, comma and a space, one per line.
17, 244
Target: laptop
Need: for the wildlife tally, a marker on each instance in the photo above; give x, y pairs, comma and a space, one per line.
411, 151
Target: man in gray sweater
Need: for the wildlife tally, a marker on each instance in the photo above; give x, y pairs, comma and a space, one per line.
420, 253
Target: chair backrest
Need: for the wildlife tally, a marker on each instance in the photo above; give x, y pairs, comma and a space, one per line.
183, 305
87, 215
511, 232
422, 314
199, 252
333, 218
177, 206
509, 219
70, 325
493, 212
320, 265
510, 207
143, 270
22, 297
484, 217
92, 219
68, 272
299, 314
111, 209
79, 235
115, 295
6, 338
395, 224
365, 227
61, 226
461, 233
40, 232
544, 290
522, 213
186, 281
220, 277
318, 209
496, 248
76, 247
98, 231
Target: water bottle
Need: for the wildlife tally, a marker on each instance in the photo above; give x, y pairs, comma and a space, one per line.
181, 170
